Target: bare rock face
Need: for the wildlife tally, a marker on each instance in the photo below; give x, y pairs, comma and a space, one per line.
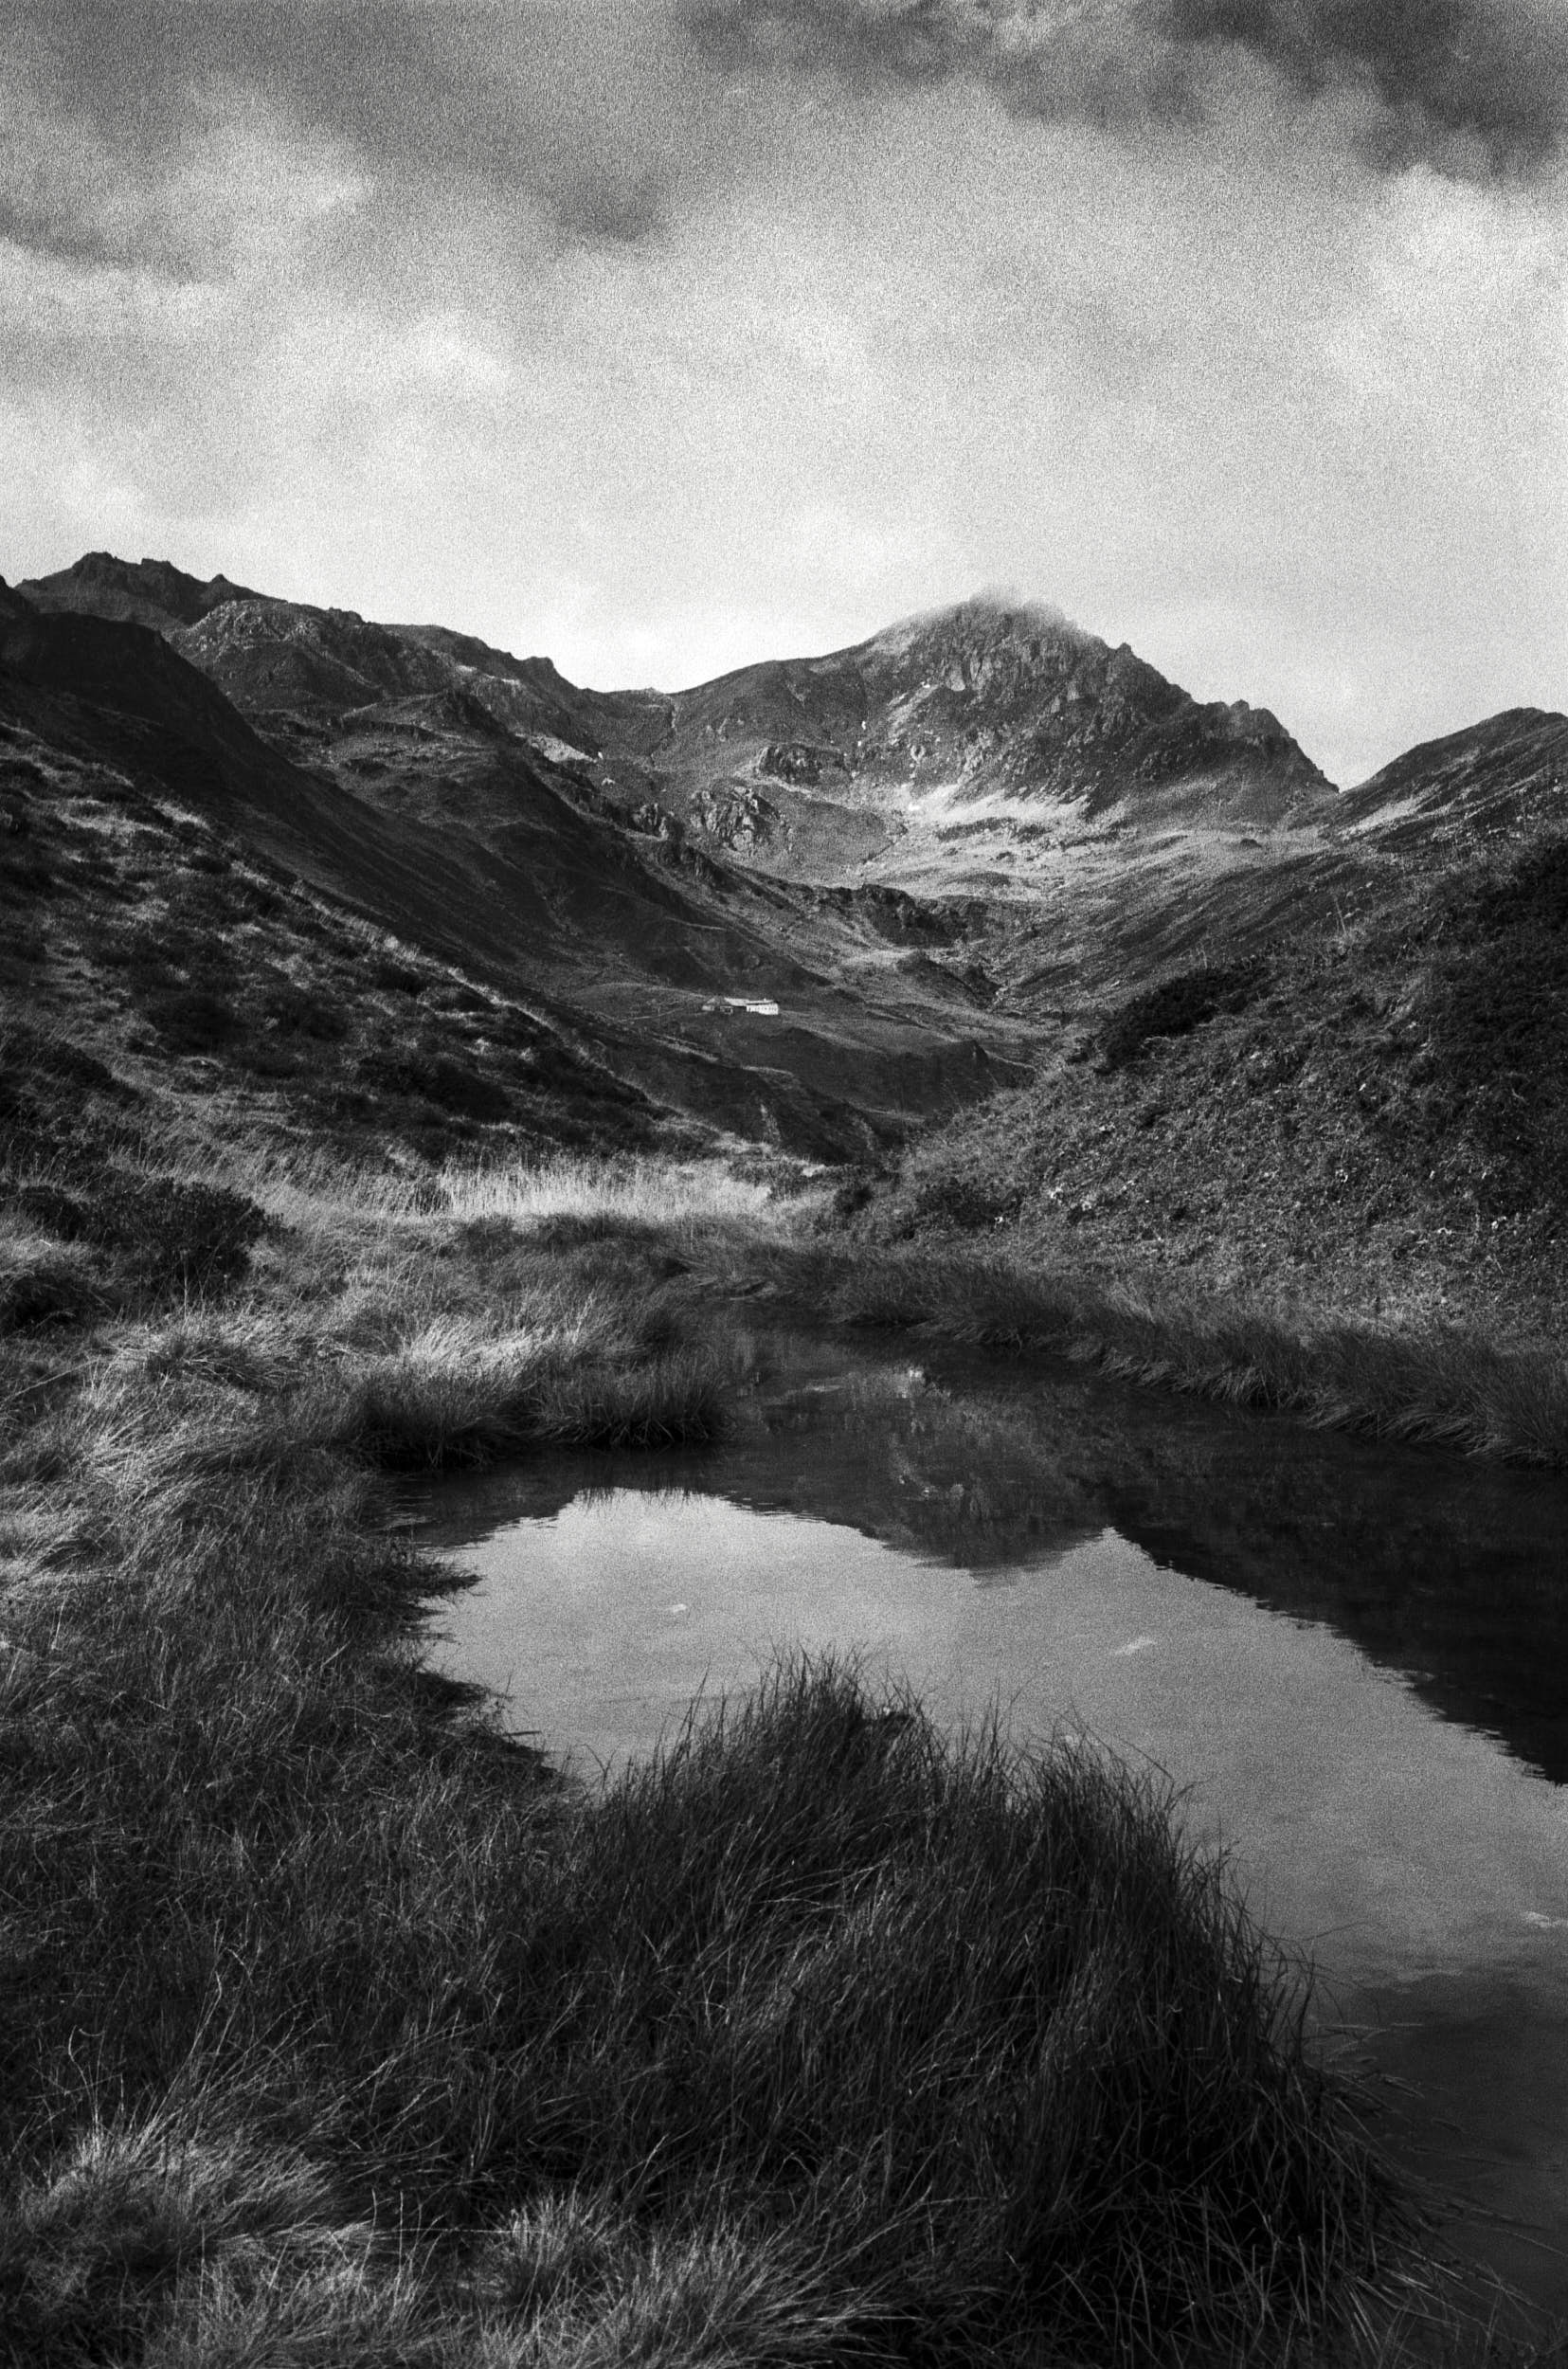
990, 706
991, 698
740, 818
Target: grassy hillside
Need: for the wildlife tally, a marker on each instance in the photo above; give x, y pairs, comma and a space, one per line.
232, 1004
1374, 1123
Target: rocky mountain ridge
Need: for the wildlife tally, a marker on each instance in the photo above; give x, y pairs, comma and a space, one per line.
988, 721
935, 851
992, 721
430, 818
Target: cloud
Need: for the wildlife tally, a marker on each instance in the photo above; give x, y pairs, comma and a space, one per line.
598, 122
580, 111
1473, 87
1491, 73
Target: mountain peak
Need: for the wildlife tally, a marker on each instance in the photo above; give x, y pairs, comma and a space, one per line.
146, 592
984, 621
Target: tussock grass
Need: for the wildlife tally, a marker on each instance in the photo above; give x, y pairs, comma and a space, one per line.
456, 1394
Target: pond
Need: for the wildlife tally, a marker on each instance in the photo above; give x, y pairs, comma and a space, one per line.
1352, 1660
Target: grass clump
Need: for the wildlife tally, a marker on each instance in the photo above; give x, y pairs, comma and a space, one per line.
981, 2017
457, 1392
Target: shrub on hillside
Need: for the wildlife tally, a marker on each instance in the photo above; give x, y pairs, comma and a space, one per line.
140, 952
172, 1235
298, 1012
437, 1078
52, 1211
384, 970
41, 1283
26, 1051
459, 997
1174, 1007
192, 1020
950, 1197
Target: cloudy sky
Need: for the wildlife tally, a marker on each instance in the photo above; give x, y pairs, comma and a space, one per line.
664, 334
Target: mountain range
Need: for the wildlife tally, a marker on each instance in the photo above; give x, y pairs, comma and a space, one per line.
936, 852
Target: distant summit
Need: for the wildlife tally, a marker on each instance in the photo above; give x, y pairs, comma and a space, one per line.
149, 592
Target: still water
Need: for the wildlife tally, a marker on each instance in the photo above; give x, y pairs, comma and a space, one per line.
1354, 1662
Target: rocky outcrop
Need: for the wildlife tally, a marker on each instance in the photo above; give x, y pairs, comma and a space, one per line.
737, 818
799, 761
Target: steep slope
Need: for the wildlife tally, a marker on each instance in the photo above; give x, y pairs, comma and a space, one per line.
463, 839
223, 999
1375, 1113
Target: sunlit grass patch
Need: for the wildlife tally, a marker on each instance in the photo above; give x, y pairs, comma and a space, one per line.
456, 1392
93, 2249
653, 1192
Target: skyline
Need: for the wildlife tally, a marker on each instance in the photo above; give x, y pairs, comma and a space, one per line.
660, 338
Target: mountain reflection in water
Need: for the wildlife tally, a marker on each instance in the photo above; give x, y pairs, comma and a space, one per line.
1354, 1658
1454, 1573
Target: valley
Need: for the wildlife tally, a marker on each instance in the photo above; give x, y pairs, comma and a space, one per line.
819, 1094
951, 857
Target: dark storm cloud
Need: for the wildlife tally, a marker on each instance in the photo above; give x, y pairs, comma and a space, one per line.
568, 106
1495, 74
1466, 85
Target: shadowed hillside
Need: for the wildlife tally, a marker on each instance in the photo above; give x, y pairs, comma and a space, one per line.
439, 822
1378, 1115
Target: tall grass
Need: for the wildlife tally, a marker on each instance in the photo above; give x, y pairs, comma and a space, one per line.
337, 2030
302, 1188
653, 1192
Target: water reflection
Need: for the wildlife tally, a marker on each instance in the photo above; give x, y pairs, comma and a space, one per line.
1355, 1659
1454, 1574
